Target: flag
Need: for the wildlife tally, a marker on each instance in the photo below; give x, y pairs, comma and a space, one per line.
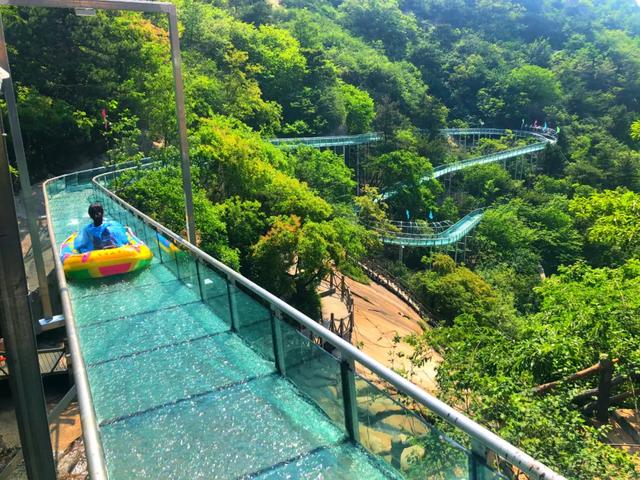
103, 114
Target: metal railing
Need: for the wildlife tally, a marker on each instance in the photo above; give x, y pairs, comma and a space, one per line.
398, 287
541, 133
91, 436
330, 141
442, 170
453, 234
283, 321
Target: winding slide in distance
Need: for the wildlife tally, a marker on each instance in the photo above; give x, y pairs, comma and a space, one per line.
465, 225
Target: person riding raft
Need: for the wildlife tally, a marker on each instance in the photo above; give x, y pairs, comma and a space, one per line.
100, 235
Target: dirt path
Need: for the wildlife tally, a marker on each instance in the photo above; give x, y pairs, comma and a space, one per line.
379, 316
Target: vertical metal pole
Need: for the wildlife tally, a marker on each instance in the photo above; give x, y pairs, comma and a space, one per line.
199, 279
477, 461
25, 182
20, 340
349, 396
176, 61
278, 343
358, 170
233, 306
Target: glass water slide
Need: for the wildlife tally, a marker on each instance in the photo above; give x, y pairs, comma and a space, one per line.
466, 224
187, 370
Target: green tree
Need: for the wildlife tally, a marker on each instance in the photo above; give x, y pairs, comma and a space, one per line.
292, 258
402, 176
360, 109
529, 91
380, 21
67, 130
503, 237
325, 172
487, 182
635, 130
610, 223
449, 290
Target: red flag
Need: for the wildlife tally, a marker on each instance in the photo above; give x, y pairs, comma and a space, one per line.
103, 113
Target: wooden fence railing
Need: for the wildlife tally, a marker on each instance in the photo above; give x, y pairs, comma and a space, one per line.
50, 360
343, 326
396, 286
607, 392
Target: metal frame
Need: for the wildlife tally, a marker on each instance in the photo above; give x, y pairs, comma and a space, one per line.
176, 61
25, 182
19, 333
349, 353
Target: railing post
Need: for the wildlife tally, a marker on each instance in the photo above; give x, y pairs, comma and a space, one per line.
477, 461
349, 397
198, 279
278, 343
233, 305
604, 389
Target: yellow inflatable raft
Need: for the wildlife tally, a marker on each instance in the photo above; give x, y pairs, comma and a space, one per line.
106, 262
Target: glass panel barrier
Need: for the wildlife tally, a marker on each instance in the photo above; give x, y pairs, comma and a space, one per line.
168, 252
86, 176
214, 291
251, 319
483, 472
188, 270
313, 370
407, 442
71, 180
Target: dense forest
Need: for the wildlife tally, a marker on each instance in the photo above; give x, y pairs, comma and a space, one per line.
551, 281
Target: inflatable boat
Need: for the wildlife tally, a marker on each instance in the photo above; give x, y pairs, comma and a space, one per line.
106, 262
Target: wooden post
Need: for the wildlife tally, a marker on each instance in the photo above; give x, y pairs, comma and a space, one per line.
604, 389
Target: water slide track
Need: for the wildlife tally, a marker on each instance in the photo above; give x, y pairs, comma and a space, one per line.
465, 225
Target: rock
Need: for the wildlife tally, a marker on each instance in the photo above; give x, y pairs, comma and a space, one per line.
411, 455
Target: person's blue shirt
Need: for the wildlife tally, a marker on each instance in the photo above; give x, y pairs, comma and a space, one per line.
108, 234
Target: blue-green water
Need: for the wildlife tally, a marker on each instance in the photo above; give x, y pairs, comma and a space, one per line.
177, 394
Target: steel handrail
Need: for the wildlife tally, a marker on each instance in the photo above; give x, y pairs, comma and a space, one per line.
90, 432
501, 447
441, 170
337, 139
429, 236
